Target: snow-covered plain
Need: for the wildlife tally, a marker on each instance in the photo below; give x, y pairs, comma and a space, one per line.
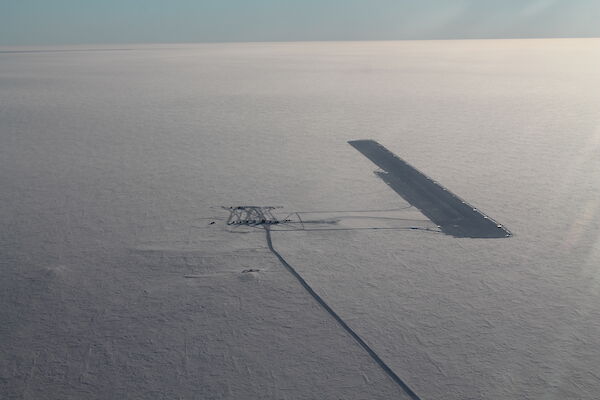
114, 163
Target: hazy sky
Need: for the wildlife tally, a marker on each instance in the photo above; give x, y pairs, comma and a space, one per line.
31, 22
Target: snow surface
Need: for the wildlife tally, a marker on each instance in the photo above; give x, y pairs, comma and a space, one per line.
114, 163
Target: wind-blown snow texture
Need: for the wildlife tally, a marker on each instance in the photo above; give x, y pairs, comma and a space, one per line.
114, 163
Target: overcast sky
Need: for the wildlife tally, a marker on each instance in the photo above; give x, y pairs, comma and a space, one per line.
55, 22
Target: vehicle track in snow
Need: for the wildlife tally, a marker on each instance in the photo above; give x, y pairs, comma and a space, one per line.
403, 385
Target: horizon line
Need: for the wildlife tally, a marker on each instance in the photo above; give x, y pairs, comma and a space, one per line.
48, 47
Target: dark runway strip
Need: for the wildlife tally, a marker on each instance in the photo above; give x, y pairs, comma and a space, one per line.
453, 215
